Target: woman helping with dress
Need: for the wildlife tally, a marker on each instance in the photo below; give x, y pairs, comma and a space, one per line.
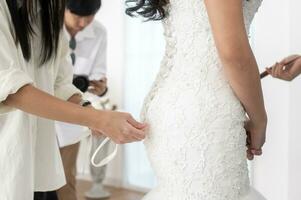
36, 88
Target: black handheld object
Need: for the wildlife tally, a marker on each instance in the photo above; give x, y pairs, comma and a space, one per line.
264, 74
81, 82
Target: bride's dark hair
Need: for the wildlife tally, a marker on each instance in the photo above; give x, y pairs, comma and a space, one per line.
149, 9
24, 14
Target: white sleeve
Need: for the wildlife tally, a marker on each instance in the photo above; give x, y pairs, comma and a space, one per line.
12, 76
99, 68
64, 88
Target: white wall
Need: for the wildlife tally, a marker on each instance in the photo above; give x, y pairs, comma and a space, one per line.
112, 17
277, 34
145, 47
271, 43
294, 175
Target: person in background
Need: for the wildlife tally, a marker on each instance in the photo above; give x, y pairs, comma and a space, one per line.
288, 69
88, 49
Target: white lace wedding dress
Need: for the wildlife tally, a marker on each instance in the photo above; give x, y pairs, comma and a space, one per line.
197, 139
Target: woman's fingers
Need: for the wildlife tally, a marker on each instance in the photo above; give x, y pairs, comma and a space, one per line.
257, 152
289, 59
250, 156
129, 134
98, 87
286, 69
274, 70
120, 127
279, 69
136, 133
135, 123
255, 137
256, 145
133, 130
93, 91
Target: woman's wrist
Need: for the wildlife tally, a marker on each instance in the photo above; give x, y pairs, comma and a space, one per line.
260, 119
92, 118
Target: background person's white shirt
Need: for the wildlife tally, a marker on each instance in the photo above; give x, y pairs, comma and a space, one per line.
91, 54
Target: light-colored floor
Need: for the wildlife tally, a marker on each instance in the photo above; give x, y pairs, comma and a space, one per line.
117, 193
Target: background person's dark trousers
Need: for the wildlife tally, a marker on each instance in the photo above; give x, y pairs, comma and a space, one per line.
45, 196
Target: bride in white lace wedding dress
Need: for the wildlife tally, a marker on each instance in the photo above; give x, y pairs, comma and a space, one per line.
197, 140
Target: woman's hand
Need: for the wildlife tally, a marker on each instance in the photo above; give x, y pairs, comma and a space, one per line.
256, 135
99, 87
120, 127
288, 69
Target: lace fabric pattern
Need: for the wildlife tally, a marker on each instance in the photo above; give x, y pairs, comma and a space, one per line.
197, 138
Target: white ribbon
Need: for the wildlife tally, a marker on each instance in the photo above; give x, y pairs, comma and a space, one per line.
107, 159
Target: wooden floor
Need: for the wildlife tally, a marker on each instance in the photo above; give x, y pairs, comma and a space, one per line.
117, 193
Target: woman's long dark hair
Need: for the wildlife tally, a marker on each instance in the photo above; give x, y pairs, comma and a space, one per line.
149, 9
24, 14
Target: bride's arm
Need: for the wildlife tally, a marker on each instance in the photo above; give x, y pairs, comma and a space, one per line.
227, 22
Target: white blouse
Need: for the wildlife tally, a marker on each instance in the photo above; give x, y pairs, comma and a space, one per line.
91, 51
29, 154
